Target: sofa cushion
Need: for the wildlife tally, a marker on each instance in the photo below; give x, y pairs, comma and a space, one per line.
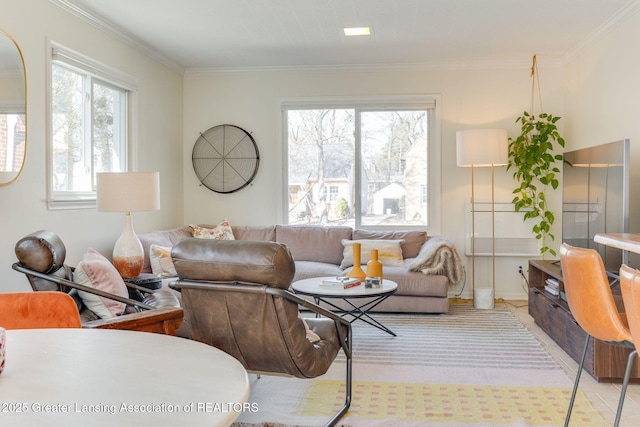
314, 242
413, 239
311, 269
95, 271
166, 238
263, 234
418, 284
389, 252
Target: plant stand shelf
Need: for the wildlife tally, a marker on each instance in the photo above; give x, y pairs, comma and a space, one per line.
605, 362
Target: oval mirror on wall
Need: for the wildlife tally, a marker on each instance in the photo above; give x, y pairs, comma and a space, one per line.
13, 110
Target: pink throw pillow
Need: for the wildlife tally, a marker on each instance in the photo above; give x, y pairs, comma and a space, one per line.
97, 272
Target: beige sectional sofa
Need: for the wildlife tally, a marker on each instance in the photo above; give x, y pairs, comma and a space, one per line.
319, 251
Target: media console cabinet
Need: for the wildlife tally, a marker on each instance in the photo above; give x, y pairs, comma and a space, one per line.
605, 362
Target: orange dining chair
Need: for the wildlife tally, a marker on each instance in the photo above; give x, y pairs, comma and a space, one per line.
592, 305
630, 285
31, 310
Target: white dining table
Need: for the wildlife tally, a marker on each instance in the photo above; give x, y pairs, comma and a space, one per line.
626, 241
100, 377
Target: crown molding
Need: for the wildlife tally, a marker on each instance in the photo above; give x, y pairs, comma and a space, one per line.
118, 33
363, 68
609, 25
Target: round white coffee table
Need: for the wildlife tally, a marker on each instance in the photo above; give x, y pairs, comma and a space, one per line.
358, 311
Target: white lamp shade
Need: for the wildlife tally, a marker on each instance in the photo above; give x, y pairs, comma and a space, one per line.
128, 191
482, 147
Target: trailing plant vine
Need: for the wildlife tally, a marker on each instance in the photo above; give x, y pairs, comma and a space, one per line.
531, 155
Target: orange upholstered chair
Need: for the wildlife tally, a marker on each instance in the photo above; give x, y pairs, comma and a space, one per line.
593, 307
30, 310
630, 285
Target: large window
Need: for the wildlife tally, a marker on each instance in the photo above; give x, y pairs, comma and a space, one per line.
89, 129
365, 165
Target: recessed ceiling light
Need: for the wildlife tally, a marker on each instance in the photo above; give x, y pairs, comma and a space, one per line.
357, 31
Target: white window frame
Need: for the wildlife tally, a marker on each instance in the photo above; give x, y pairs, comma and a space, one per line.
107, 76
431, 101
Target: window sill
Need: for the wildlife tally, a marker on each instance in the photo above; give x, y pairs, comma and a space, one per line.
55, 205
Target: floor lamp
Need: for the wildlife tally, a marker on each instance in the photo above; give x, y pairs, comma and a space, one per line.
482, 148
128, 192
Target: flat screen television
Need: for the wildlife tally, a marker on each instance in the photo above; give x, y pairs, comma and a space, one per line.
595, 198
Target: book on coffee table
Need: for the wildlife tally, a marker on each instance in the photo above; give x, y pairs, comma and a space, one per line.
340, 282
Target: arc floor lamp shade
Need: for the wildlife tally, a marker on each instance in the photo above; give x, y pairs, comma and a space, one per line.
482, 148
128, 192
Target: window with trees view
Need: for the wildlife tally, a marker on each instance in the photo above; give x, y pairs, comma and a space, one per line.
88, 125
362, 166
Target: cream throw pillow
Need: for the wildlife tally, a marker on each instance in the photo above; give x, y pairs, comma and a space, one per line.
389, 252
161, 262
221, 231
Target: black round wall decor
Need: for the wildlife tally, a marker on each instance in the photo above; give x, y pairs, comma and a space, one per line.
225, 158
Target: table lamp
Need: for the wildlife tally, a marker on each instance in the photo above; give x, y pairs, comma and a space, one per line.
128, 192
482, 148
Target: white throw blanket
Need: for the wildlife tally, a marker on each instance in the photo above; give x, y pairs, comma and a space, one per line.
438, 256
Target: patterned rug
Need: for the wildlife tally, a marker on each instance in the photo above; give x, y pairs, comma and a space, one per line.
467, 368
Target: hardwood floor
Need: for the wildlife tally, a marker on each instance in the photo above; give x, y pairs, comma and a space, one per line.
603, 396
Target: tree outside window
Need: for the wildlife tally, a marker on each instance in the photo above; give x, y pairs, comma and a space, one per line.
88, 129
357, 166
88, 126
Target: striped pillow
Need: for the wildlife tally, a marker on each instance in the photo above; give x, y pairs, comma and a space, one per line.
389, 252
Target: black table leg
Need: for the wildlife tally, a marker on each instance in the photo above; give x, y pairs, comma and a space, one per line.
360, 312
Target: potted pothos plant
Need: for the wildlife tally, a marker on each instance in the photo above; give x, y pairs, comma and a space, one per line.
532, 157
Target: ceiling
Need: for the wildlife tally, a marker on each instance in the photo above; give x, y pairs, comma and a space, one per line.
242, 34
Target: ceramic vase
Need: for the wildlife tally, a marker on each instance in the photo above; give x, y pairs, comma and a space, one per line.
357, 271
128, 255
374, 266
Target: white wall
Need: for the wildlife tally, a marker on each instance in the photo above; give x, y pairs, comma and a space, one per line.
471, 97
159, 137
602, 93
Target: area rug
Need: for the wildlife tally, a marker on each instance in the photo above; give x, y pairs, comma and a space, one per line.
475, 368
